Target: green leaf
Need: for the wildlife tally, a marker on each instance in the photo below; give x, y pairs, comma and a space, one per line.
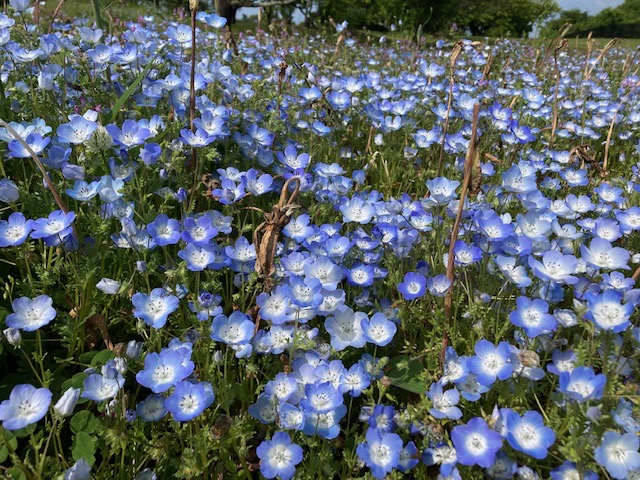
77, 381
84, 447
129, 91
16, 474
407, 373
102, 357
4, 450
86, 357
84, 421
26, 431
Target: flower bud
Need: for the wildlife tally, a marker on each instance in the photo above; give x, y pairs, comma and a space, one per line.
13, 335
65, 406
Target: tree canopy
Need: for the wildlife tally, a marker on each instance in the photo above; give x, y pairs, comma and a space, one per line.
622, 21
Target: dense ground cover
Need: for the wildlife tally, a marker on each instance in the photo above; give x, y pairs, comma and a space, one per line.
342, 260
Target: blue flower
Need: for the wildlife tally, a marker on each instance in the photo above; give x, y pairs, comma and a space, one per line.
34, 140
104, 385
237, 329
26, 405
189, 400
321, 398
380, 452
29, 315
9, 192
618, 453
533, 316
155, 308
442, 191
354, 381
77, 131
528, 434
413, 286
438, 285
162, 371
345, 328
151, 409
279, 457
582, 384
57, 224
15, 230
378, 330
600, 254
476, 443
491, 362
164, 230
382, 418
569, 470
444, 403
608, 311
132, 133
555, 267
264, 410
83, 191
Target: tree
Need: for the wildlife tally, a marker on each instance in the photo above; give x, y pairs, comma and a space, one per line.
228, 8
575, 17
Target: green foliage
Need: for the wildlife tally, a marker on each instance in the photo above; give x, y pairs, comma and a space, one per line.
621, 21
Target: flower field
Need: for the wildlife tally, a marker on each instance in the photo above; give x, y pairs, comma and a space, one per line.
292, 255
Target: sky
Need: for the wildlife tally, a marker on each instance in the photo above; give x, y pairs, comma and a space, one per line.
591, 6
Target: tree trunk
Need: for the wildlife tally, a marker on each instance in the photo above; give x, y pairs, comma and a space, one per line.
226, 10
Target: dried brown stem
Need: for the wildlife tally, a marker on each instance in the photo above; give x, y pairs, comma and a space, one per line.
55, 14
45, 175
468, 164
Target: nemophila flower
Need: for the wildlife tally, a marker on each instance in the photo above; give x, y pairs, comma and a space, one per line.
380, 452
108, 286
607, 229
345, 328
321, 398
514, 181
608, 311
109, 189
562, 361
13, 336
455, 367
151, 409
601, 254
441, 191
378, 329
357, 210
8, 191
102, 386
325, 271
618, 453
189, 400
35, 141
290, 417
476, 443
257, 184
438, 285
29, 315
279, 456
582, 384
199, 138
382, 418
236, 329
413, 286
516, 274
491, 362
155, 308
83, 191
264, 410
198, 257
57, 224
15, 230
442, 455
275, 306
570, 471
131, 134
555, 267
617, 281
303, 292
354, 381
26, 405
528, 434
360, 275
533, 316
465, 254
409, 457
282, 387
164, 230
444, 403
77, 131
162, 371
